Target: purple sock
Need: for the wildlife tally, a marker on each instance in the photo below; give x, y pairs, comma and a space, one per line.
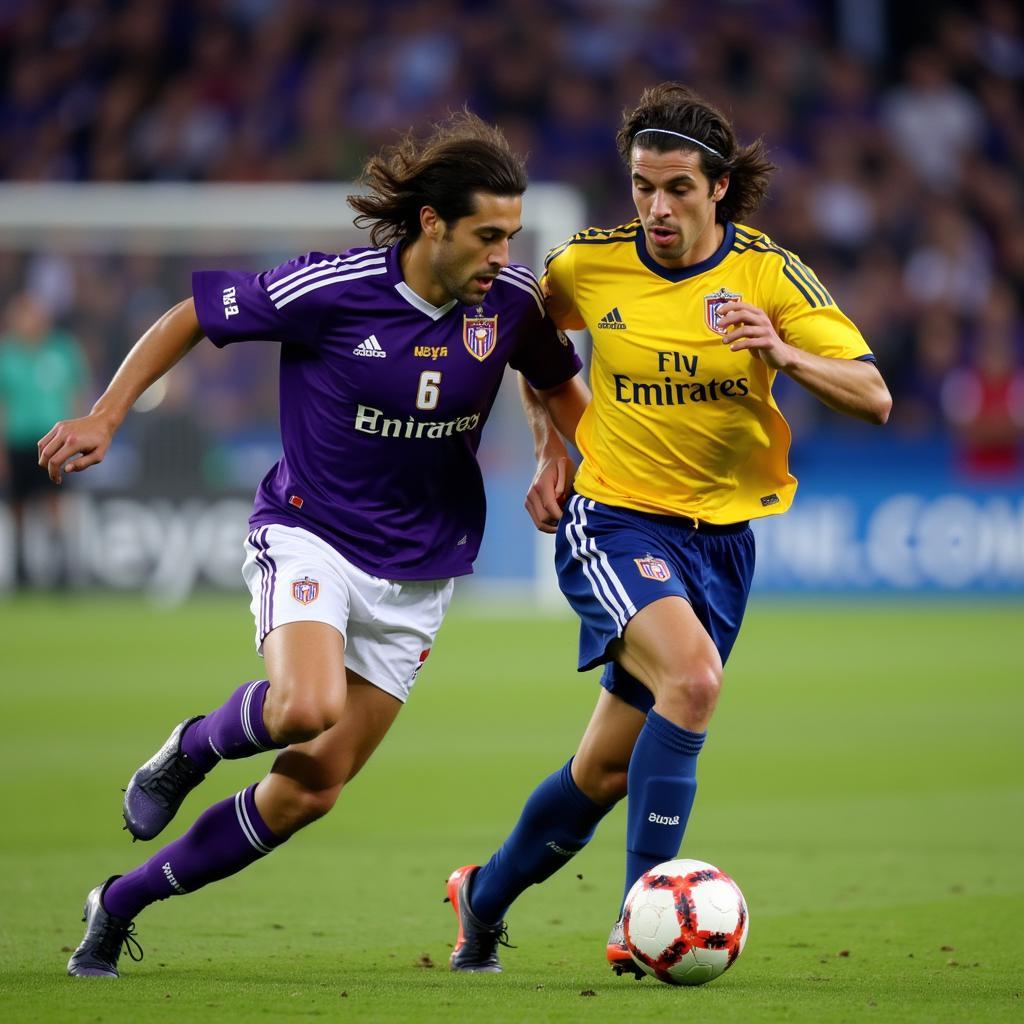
234, 730
225, 838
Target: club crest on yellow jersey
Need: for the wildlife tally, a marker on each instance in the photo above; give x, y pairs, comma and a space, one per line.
711, 304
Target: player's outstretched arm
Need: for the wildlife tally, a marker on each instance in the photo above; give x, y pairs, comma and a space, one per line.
553, 415
850, 386
73, 445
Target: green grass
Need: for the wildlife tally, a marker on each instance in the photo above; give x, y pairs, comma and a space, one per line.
862, 783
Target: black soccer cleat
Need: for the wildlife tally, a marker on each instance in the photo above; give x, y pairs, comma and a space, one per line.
476, 947
105, 937
160, 786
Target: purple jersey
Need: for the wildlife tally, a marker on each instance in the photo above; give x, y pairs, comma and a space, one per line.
382, 400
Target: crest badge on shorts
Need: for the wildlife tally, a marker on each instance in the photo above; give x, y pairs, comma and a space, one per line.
652, 568
711, 304
480, 335
305, 591
424, 654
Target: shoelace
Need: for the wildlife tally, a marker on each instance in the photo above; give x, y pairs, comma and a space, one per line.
168, 784
116, 937
481, 943
502, 936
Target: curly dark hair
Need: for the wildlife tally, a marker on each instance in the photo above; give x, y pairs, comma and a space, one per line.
673, 107
463, 155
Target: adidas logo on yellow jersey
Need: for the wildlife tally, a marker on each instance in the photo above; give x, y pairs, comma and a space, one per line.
611, 321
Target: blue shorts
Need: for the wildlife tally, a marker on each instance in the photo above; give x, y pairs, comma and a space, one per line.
612, 562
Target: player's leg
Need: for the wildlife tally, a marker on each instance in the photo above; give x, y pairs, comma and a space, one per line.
306, 698
601, 766
390, 629
557, 821
660, 604
651, 836
677, 648
307, 778
302, 786
667, 649
561, 814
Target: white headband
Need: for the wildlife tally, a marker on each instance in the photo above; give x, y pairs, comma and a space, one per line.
679, 135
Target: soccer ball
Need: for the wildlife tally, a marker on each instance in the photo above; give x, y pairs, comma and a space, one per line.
685, 922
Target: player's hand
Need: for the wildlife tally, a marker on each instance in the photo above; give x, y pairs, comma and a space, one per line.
549, 490
748, 328
73, 445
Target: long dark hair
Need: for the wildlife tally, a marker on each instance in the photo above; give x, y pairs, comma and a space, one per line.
673, 107
463, 155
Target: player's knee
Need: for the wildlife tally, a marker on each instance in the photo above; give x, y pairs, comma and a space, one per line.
609, 787
605, 784
304, 806
296, 718
694, 691
314, 804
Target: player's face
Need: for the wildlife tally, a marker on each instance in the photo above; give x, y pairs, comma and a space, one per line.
470, 252
676, 204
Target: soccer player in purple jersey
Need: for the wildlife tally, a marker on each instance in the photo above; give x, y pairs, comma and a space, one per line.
391, 358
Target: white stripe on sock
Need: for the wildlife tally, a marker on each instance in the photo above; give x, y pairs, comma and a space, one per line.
246, 707
247, 829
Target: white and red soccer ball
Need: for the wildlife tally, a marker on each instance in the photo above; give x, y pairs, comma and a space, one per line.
685, 922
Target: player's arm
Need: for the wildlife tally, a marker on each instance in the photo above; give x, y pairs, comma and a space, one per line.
562, 311
89, 437
557, 286
850, 386
552, 415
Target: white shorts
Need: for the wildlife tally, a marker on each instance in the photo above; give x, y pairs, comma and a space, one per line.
389, 626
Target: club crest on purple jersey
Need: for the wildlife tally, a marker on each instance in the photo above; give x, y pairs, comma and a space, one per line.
480, 335
653, 568
305, 591
711, 304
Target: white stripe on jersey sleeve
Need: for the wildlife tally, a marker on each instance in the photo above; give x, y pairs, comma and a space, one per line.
304, 270
524, 274
532, 290
315, 270
371, 272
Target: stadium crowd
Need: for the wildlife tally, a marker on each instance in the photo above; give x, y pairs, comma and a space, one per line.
898, 129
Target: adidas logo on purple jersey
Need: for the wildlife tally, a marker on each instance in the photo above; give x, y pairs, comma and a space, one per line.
370, 347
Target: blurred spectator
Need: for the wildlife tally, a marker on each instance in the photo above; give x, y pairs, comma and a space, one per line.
42, 380
951, 264
841, 202
984, 401
934, 355
1002, 38
932, 120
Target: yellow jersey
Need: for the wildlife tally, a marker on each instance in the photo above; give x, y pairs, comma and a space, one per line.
679, 424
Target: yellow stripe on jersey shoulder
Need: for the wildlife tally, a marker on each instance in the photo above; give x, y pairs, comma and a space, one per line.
597, 236
795, 270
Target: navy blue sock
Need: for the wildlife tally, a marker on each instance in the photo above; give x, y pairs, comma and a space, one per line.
558, 820
662, 783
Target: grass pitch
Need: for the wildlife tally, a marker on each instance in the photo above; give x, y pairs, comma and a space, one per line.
862, 782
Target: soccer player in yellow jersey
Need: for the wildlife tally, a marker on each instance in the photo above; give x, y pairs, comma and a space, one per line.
692, 315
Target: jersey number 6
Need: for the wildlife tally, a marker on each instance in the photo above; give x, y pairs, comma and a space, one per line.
429, 390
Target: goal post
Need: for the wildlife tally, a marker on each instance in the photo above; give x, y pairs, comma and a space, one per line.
198, 218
